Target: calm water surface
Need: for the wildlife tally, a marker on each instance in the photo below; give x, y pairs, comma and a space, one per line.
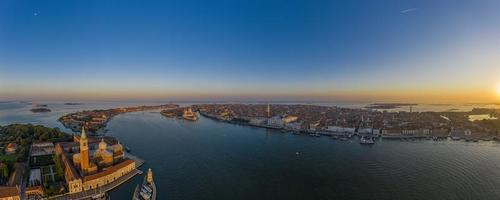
213, 160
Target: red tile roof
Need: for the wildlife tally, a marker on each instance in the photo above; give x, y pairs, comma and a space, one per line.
108, 171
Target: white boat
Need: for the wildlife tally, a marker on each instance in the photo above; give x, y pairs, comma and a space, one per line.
366, 140
147, 190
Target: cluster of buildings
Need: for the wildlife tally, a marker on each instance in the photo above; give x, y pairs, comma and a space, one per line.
181, 113
87, 163
337, 120
90, 163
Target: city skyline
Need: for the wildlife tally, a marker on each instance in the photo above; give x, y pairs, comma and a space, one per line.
402, 51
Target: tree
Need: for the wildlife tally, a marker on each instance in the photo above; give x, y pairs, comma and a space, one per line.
4, 171
59, 166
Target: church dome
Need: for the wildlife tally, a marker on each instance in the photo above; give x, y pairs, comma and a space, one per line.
117, 147
102, 145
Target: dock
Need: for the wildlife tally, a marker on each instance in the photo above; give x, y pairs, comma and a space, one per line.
138, 162
97, 191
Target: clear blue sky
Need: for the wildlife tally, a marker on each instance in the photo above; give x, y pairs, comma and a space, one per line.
315, 50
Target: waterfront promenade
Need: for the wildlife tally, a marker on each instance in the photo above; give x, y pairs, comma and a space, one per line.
105, 188
97, 191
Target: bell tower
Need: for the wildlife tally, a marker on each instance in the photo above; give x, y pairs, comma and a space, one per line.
84, 151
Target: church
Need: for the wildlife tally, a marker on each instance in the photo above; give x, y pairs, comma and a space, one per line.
90, 162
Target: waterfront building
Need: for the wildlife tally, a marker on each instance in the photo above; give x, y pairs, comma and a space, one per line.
275, 121
391, 132
368, 131
461, 132
339, 129
189, 114
416, 132
257, 121
440, 132
293, 126
95, 164
290, 119
314, 126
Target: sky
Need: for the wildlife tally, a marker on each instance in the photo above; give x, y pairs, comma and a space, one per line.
283, 50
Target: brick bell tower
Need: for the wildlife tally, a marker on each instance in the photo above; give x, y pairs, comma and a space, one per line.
84, 151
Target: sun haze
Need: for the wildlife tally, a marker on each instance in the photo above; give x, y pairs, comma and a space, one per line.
233, 50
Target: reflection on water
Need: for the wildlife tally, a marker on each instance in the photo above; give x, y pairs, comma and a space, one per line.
214, 160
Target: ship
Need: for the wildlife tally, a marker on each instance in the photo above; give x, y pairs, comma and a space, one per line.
366, 140
189, 114
146, 190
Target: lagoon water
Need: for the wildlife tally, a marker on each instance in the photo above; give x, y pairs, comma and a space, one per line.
208, 159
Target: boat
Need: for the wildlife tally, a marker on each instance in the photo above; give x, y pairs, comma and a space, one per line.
366, 140
101, 196
315, 134
146, 190
335, 137
344, 139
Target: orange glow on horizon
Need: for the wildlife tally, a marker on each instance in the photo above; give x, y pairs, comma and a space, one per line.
462, 94
498, 91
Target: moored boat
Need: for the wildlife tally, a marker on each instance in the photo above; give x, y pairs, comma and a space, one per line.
366, 140
146, 190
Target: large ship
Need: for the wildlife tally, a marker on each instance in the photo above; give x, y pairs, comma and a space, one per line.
189, 114
146, 190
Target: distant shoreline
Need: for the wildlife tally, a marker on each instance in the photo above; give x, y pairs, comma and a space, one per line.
40, 110
73, 104
96, 120
386, 106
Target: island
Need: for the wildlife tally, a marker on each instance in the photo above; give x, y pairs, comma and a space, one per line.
40, 110
58, 165
95, 120
181, 113
73, 104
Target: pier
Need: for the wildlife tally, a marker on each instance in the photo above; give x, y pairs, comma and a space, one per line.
97, 191
138, 162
